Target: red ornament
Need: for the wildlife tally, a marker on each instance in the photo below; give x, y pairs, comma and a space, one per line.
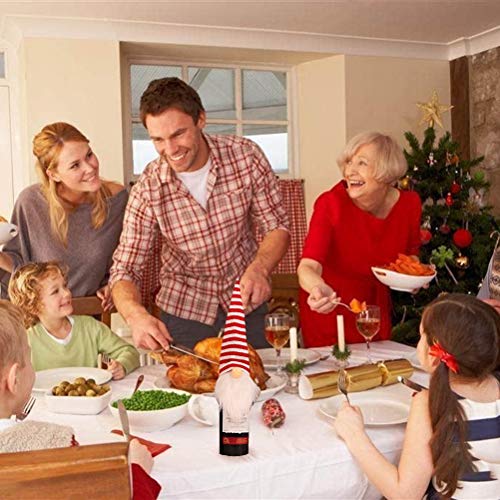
449, 200
444, 229
462, 238
455, 187
425, 236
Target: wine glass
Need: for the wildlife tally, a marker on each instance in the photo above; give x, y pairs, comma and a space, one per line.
368, 324
277, 330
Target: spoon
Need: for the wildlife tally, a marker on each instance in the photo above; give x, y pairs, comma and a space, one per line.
140, 380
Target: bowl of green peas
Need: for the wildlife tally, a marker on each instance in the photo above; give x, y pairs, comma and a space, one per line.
153, 410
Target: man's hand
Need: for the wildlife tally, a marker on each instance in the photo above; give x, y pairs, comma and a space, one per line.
322, 299
104, 294
148, 332
255, 287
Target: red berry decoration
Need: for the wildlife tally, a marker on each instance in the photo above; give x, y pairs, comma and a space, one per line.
455, 187
449, 200
462, 238
425, 236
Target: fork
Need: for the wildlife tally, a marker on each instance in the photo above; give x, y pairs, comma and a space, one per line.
342, 384
26, 410
105, 359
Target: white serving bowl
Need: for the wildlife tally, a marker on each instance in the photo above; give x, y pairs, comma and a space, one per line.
154, 420
77, 405
401, 282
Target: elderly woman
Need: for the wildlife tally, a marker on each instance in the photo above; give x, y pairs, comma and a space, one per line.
73, 216
490, 289
361, 222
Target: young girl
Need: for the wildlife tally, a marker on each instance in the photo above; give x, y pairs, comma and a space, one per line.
453, 431
58, 339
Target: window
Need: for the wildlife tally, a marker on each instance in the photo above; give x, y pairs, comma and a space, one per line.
243, 101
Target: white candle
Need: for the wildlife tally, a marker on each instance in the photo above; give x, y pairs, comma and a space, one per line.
293, 344
340, 333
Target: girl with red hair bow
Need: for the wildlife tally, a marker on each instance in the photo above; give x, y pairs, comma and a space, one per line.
452, 441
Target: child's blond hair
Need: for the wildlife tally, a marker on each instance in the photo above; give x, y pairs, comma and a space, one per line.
26, 284
13, 336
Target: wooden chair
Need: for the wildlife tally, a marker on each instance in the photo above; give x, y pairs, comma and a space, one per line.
91, 306
80, 472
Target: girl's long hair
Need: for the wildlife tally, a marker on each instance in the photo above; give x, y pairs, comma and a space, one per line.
469, 329
47, 146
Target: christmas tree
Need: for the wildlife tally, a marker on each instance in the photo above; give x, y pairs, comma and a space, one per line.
457, 225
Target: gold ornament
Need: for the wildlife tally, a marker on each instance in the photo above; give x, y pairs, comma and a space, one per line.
432, 111
404, 183
462, 261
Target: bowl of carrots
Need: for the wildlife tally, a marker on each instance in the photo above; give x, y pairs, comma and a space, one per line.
405, 274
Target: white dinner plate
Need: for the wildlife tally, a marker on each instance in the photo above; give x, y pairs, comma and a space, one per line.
377, 409
268, 357
46, 379
274, 385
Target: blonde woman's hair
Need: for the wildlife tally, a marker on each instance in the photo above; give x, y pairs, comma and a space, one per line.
25, 288
13, 336
390, 164
47, 146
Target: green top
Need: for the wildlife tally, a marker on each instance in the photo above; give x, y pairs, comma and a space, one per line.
89, 337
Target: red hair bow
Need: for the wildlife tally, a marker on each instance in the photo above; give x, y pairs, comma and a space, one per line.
448, 359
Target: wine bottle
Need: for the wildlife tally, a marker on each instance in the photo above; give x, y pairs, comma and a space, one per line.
233, 435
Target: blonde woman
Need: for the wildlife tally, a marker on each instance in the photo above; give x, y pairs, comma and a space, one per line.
73, 215
362, 221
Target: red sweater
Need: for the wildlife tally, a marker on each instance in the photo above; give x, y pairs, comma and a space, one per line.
347, 241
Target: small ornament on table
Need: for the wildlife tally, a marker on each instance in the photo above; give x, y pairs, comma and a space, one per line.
462, 261
272, 413
294, 369
462, 238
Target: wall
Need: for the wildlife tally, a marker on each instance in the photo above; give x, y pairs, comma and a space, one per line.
382, 92
484, 71
77, 81
321, 115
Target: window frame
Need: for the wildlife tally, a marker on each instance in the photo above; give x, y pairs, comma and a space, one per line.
238, 121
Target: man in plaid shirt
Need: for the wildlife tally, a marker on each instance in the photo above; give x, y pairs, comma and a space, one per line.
203, 194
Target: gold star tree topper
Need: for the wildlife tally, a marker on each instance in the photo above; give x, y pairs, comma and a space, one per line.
431, 111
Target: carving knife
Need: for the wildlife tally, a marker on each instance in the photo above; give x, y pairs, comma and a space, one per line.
189, 352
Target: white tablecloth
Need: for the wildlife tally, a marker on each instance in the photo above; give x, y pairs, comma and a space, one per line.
302, 459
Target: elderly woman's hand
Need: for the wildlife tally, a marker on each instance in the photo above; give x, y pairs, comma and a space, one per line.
322, 299
349, 421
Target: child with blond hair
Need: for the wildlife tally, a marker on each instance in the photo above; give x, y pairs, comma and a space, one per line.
57, 338
16, 382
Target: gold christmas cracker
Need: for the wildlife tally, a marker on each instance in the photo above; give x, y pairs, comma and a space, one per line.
359, 378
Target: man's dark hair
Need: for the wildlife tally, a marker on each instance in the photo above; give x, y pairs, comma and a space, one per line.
170, 92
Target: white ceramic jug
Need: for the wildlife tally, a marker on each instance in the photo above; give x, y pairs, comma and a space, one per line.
7, 232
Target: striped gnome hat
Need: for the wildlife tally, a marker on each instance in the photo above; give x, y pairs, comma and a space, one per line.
234, 349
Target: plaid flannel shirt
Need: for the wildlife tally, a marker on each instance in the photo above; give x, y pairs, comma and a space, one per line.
204, 252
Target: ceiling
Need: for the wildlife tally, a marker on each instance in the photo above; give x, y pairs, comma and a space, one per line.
440, 22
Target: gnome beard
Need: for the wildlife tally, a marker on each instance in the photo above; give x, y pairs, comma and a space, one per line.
236, 392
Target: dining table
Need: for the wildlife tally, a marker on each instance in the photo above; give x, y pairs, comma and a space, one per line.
304, 458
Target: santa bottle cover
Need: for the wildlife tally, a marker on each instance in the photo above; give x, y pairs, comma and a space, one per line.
235, 390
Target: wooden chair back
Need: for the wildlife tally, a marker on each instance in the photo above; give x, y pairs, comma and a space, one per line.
91, 306
285, 296
80, 472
